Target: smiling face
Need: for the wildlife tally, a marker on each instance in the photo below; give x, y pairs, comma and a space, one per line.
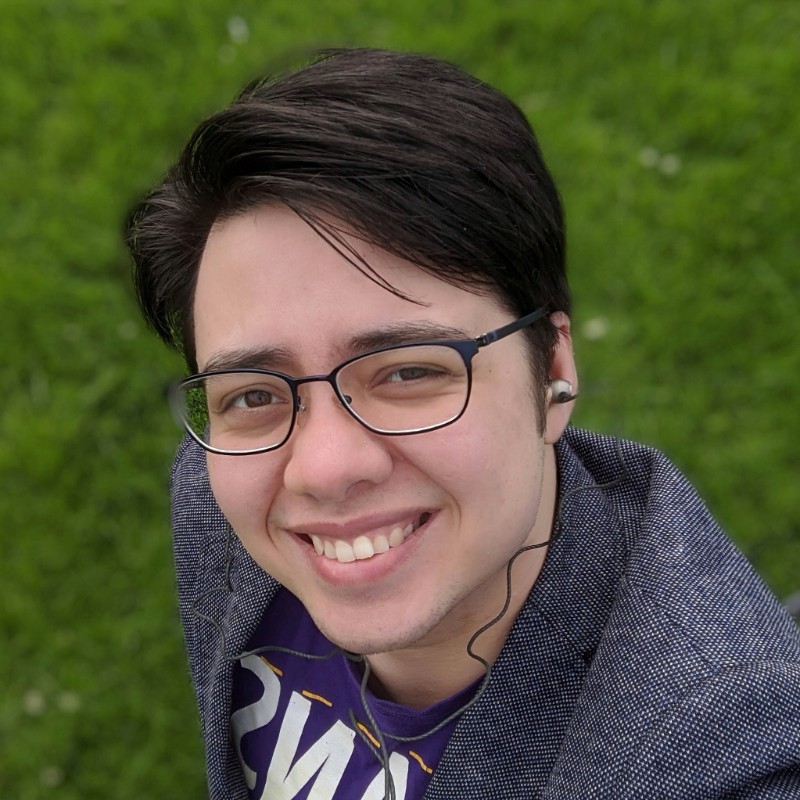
389, 542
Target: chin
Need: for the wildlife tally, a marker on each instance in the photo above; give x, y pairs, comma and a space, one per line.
372, 635
367, 642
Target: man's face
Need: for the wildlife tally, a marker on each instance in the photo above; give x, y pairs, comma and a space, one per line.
467, 496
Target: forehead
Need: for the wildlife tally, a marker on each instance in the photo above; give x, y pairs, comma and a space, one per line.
267, 278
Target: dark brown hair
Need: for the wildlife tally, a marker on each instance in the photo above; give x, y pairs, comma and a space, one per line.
411, 153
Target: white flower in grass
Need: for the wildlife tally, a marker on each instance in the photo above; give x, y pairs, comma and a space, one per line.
595, 328
34, 702
238, 30
649, 157
670, 164
666, 163
69, 702
51, 776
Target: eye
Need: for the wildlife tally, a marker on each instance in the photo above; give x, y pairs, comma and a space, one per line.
248, 397
411, 372
255, 398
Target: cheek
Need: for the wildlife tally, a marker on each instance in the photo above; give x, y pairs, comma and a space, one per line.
244, 488
489, 462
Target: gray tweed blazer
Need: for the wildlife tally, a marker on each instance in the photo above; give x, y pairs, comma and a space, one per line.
648, 662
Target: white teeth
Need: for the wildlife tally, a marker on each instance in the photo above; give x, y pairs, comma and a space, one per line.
396, 537
344, 552
363, 548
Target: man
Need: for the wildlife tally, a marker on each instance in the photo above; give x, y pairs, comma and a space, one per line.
412, 578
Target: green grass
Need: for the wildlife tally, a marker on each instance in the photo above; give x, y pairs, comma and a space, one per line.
672, 129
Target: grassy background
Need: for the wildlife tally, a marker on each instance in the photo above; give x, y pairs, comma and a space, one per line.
672, 129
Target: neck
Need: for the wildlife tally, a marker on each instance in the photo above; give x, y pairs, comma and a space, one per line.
439, 665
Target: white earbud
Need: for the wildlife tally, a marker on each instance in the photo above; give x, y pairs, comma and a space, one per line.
561, 391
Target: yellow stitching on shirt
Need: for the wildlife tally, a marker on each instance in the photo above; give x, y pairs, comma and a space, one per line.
369, 735
418, 758
313, 696
278, 672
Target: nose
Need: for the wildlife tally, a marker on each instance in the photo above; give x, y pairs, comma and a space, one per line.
330, 453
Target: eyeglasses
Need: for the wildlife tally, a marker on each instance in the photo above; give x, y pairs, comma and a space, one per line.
394, 391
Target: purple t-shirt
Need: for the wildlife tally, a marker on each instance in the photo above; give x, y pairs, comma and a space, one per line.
292, 725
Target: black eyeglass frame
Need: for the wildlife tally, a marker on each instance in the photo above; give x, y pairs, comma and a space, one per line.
466, 348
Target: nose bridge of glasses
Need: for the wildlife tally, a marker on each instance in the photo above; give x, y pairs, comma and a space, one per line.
330, 379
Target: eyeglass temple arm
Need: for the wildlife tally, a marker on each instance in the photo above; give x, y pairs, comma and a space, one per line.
512, 327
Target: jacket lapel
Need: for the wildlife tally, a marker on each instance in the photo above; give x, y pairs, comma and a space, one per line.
508, 743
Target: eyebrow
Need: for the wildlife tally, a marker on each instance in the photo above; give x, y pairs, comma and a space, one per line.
402, 333
262, 357
282, 359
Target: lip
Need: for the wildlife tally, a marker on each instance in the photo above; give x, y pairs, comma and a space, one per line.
357, 574
351, 530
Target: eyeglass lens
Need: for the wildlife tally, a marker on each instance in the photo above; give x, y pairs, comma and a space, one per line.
403, 390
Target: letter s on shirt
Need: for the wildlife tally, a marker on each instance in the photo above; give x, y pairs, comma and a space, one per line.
257, 714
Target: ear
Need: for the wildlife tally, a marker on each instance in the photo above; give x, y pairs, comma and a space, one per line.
562, 368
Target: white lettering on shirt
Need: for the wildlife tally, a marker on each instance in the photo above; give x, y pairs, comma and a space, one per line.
327, 758
398, 768
257, 714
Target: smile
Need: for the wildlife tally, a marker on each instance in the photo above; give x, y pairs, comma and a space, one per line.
366, 546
